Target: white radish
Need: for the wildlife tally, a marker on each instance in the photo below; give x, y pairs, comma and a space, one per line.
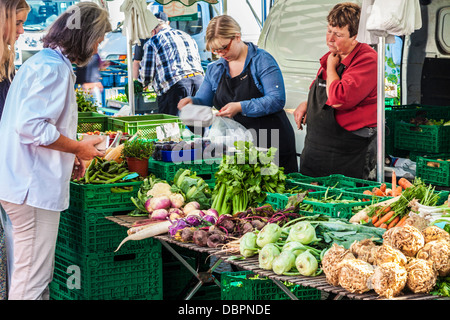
151, 231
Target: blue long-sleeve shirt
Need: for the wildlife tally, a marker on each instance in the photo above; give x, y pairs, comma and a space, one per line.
266, 74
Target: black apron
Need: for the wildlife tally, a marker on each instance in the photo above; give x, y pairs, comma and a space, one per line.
329, 148
243, 87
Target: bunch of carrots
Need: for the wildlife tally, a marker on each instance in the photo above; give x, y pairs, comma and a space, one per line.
396, 190
385, 217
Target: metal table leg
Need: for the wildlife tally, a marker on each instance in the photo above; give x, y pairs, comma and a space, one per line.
285, 289
203, 277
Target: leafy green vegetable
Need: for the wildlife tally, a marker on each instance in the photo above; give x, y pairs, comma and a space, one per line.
243, 178
192, 187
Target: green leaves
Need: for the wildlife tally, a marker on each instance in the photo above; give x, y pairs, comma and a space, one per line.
246, 176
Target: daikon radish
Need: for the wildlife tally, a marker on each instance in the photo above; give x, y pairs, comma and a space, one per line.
151, 231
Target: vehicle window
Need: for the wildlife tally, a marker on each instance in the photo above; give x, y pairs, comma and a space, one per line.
191, 27
43, 13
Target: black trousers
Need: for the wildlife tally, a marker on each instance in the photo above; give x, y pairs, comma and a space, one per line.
167, 102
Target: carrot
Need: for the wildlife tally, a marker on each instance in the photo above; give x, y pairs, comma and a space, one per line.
404, 183
383, 225
394, 182
383, 187
389, 192
376, 191
397, 191
393, 222
386, 209
384, 218
402, 221
367, 192
374, 219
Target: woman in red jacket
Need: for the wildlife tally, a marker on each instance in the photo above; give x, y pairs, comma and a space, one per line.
341, 111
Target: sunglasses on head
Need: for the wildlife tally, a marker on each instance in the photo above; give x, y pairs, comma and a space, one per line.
224, 49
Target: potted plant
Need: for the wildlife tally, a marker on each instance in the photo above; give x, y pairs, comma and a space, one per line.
137, 152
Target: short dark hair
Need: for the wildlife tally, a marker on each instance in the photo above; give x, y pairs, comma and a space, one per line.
77, 30
345, 14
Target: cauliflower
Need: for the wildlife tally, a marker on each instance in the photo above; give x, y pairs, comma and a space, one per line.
386, 253
438, 252
354, 275
435, 233
331, 260
422, 276
160, 189
389, 279
407, 239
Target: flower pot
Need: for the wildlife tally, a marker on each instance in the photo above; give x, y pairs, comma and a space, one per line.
138, 165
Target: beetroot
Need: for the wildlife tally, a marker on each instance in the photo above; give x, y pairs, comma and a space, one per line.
200, 238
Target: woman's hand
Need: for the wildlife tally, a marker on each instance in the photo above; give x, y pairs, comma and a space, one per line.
300, 115
79, 169
230, 109
183, 102
333, 61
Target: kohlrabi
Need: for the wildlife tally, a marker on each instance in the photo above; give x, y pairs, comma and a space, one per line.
303, 232
306, 264
283, 263
247, 245
266, 256
269, 234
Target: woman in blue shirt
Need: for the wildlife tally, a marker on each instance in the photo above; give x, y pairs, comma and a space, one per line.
246, 84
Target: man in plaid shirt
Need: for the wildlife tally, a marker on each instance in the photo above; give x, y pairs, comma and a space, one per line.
171, 64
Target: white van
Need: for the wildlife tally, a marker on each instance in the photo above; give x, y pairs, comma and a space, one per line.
42, 14
294, 33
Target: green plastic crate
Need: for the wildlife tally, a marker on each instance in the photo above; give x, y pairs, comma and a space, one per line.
111, 276
405, 113
439, 176
101, 197
92, 121
205, 168
422, 138
146, 124
240, 286
336, 181
337, 210
91, 232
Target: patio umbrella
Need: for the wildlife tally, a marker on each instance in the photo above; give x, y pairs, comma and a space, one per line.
138, 24
380, 21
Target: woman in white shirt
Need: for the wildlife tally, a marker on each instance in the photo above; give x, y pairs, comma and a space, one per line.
39, 151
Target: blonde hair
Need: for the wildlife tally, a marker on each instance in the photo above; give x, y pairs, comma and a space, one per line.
8, 11
77, 41
223, 26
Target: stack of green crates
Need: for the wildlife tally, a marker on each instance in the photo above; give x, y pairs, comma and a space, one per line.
244, 285
86, 266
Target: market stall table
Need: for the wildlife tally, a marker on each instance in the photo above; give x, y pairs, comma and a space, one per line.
252, 264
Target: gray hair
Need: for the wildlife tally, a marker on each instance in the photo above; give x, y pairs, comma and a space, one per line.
78, 30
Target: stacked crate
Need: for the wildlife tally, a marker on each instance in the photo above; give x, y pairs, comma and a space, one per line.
86, 266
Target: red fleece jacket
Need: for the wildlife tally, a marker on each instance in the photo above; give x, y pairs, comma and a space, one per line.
357, 89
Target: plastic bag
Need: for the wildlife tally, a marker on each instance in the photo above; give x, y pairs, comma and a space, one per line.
196, 116
225, 131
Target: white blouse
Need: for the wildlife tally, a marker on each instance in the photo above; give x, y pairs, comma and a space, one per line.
40, 105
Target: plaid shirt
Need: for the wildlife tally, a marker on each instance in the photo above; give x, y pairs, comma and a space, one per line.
169, 56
